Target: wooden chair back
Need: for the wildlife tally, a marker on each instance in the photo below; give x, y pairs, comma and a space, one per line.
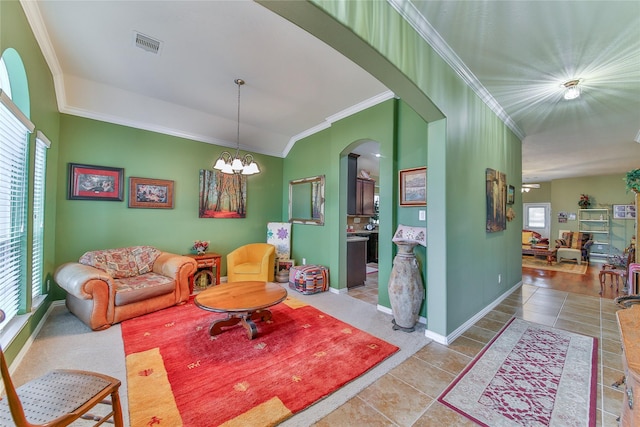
20, 418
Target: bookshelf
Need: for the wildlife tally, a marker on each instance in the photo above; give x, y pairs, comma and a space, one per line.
596, 222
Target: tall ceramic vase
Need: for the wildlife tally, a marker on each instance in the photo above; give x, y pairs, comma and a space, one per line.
406, 290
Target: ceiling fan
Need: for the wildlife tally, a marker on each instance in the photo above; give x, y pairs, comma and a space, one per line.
527, 187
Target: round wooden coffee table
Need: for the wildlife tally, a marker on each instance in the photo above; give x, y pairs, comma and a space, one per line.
243, 302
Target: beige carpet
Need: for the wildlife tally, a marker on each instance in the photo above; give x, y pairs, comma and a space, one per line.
565, 266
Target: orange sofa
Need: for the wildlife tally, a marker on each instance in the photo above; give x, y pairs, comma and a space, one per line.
108, 286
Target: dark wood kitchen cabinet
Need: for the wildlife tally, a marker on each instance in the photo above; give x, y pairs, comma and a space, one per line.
372, 248
360, 191
356, 263
365, 189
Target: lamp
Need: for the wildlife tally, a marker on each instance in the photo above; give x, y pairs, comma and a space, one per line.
571, 89
226, 163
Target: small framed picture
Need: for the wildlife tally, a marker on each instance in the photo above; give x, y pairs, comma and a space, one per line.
90, 182
624, 211
285, 264
413, 187
511, 194
150, 193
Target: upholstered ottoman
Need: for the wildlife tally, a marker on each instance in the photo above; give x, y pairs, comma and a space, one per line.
309, 279
568, 253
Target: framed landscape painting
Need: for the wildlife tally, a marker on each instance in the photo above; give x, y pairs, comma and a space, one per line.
413, 187
90, 182
222, 195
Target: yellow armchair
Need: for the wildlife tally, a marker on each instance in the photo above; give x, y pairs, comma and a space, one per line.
255, 261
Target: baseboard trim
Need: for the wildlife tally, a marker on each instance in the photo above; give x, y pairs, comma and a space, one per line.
446, 340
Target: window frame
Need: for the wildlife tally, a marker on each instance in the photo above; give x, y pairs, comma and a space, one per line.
42, 144
15, 129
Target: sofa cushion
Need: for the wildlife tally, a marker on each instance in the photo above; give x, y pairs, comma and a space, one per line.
117, 263
526, 237
144, 257
142, 287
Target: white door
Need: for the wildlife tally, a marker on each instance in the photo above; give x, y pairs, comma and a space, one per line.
537, 217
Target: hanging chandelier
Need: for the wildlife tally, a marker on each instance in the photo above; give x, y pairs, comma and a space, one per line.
229, 164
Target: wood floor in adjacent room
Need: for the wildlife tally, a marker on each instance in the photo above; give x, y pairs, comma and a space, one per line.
562, 300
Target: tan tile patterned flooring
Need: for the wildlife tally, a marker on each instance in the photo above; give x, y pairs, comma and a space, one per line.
407, 395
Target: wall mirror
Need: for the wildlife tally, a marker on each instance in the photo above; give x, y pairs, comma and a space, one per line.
306, 200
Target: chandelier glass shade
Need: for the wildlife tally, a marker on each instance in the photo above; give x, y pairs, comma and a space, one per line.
235, 164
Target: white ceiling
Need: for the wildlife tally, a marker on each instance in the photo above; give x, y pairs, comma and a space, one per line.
515, 53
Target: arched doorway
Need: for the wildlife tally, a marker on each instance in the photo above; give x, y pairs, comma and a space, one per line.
363, 219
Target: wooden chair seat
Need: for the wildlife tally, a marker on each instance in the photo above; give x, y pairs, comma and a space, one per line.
616, 275
58, 398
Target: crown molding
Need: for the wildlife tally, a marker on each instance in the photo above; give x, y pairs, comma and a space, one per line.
408, 11
34, 17
375, 100
152, 127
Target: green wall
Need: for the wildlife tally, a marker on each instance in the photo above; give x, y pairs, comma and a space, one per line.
324, 153
440, 123
85, 225
460, 148
604, 191
402, 136
16, 34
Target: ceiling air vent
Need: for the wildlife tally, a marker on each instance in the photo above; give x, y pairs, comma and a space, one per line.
147, 43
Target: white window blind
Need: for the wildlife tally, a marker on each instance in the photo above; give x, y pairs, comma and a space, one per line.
14, 138
39, 175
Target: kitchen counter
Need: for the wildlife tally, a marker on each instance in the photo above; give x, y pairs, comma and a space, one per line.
362, 232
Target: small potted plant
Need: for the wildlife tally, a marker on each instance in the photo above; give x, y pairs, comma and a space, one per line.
633, 180
200, 246
584, 201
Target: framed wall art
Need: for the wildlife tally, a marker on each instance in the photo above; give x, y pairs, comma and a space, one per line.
285, 264
624, 211
222, 195
90, 182
511, 194
413, 187
496, 200
150, 193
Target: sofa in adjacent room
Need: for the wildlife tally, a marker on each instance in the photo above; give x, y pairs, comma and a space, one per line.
108, 286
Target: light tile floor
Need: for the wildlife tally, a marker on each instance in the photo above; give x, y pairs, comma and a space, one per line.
406, 395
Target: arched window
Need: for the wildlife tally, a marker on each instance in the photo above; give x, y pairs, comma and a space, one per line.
5, 86
15, 128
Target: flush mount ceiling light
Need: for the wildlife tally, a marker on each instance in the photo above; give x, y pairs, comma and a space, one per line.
229, 164
527, 187
571, 89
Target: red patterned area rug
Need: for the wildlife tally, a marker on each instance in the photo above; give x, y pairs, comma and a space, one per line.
178, 375
529, 375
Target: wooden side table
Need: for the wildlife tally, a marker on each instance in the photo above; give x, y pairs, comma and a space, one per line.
203, 277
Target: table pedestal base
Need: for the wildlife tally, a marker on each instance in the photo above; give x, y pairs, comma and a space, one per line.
246, 318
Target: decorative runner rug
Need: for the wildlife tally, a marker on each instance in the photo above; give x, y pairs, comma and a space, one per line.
529, 375
178, 375
564, 266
